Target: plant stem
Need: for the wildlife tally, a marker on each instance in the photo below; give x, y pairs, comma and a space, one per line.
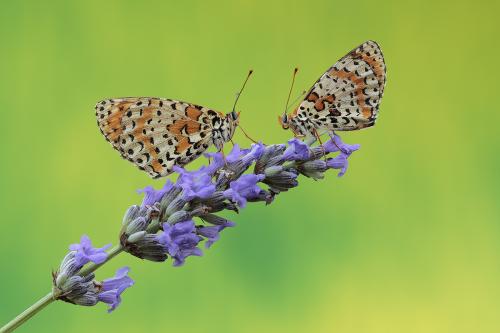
28, 313
50, 297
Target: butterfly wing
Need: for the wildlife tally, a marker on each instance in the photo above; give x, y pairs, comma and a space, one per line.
154, 133
347, 96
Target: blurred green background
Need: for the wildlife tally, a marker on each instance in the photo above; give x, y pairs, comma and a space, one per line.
407, 241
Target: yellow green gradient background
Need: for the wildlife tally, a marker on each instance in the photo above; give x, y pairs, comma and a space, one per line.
408, 241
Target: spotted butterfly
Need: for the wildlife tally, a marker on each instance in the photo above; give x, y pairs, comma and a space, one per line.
345, 98
156, 133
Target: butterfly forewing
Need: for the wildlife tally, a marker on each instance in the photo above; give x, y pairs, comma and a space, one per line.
154, 133
347, 96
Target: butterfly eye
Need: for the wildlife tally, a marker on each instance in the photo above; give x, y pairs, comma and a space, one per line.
283, 121
234, 115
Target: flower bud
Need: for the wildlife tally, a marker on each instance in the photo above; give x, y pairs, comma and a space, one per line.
273, 170
131, 214
179, 216
313, 168
282, 181
134, 238
175, 205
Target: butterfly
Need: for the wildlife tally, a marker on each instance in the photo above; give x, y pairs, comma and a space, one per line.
156, 134
345, 98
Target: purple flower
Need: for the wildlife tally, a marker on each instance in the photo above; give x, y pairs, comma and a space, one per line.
151, 196
195, 184
339, 162
235, 154
180, 241
297, 150
332, 146
241, 159
256, 151
244, 188
112, 288
86, 253
215, 164
219, 160
212, 233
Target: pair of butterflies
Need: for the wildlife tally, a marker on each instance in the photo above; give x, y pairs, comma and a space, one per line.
156, 133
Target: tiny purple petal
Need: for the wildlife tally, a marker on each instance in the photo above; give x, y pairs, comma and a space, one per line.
339, 162
121, 279
297, 150
86, 253
235, 154
180, 240
244, 188
180, 258
212, 233
113, 288
257, 150
216, 163
182, 228
151, 196
195, 184
332, 146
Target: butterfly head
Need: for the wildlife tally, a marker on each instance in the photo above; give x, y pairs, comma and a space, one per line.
233, 116
291, 122
283, 120
232, 121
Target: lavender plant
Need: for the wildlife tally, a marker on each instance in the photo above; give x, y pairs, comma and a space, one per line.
173, 221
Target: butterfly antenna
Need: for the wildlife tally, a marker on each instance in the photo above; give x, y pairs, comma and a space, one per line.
295, 100
291, 87
241, 90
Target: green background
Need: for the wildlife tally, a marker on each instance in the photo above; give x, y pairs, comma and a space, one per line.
407, 241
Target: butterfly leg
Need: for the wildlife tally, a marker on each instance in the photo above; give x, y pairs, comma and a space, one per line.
332, 136
316, 134
224, 155
245, 134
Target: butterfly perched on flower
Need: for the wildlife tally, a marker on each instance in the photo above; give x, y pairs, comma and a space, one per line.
156, 134
345, 98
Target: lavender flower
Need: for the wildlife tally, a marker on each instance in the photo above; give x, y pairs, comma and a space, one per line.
335, 143
164, 225
86, 253
256, 150
180, 241
151, 195
297, 150
246, 158
111, 289
338, 162
83, 290
217, 161
235, 154
244, 188
195, 184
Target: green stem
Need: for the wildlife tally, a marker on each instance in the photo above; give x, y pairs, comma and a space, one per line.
50, 297
28, 313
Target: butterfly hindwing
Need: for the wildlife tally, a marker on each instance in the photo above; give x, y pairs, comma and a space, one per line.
347, 96
154, 133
